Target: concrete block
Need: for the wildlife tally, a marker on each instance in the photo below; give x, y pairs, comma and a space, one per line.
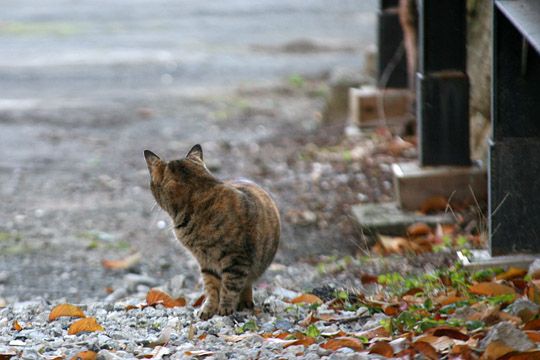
481, 259
389, 219
414, 184
369, 107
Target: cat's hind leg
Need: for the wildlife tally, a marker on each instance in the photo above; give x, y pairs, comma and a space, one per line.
233, 282
246, 298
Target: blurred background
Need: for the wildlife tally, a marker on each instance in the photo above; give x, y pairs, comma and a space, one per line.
86, 86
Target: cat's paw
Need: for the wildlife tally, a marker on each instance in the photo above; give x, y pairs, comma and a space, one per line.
207, 312
225, 310
244, 304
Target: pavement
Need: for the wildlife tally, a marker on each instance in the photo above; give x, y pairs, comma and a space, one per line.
86, 86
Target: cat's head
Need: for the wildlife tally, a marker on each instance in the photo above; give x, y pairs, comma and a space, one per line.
172, 182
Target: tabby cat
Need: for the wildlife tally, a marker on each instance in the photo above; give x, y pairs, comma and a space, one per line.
231, 227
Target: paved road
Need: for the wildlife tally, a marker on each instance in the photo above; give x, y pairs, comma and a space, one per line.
86, 85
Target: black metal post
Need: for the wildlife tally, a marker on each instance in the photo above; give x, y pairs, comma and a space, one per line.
392, 63
514, 159
442, 84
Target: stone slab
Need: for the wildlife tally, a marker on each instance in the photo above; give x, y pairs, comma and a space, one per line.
366, 105
389, 219
481, 259
460, 184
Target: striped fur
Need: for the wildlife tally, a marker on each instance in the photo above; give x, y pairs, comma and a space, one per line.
231, 227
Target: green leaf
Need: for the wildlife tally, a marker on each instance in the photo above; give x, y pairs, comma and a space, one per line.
251, 325
312, 331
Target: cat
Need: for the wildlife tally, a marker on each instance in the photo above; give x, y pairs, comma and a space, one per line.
232, 228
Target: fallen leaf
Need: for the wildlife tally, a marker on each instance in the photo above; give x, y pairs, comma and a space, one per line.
85, 355
199, 301
344, 341
382, 348
199, 353
332, 334
307, 299
532, 325
368, 279
526, 355
533, 335
426, 349
434, 204
490, 288
16, 326
418, 229
133, 307
84, 325
155, 297
495, 350
7, 355
122, 264
450, 332
66, 310
512, 273
310, 319
447, 300
378, 332
439, 343
462, 352
391, 310
306, 341
395, 245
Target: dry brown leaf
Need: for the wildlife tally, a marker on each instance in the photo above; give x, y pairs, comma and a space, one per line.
512, 273
490, 288
433, 205
526, 355
16, 326
426, 349
307, 299
495, 350
66, 310
533, 335
341, 342
395, 245
122, 264
199, 353
85, 355
451, 332
84, 325
305, 341
310, 319
461, 352
532, 325
378, 332
391, 310
199, 301
155, 297
439, 343
397, 146
447, 300
7, 355
418, 229
368, 279
382, 348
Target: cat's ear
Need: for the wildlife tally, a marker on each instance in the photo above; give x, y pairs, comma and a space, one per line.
195, 153
151, 159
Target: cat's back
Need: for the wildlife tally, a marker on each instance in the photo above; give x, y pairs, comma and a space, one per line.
262, 217
258, 204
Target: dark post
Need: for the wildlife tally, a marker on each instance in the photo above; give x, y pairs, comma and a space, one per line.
392, 64
514, 159
442, 84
